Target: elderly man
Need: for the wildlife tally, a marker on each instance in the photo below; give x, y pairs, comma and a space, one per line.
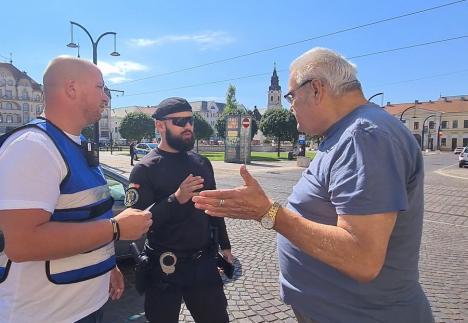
349, 238
56, 210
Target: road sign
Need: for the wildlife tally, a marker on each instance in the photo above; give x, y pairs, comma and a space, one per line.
245, 122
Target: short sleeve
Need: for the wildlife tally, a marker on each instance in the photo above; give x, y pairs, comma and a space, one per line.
368, 175
31, 170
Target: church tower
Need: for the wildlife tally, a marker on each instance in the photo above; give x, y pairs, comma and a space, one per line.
274, 91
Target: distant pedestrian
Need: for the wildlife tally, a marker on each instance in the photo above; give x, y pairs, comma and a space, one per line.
133, 155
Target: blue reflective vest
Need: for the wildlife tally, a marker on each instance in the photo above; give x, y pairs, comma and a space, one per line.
84, 196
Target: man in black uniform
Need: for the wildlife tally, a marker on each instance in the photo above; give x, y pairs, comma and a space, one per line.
180, 242
132, 153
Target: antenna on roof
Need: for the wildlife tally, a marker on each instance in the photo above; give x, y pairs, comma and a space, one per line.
11, 58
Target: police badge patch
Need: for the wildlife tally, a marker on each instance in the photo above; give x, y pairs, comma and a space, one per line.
132, 195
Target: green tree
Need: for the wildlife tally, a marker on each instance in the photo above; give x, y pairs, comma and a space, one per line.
279, 124
136, 126
202, 128
231, 108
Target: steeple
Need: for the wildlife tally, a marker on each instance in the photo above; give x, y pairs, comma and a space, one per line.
274, 86
274, 91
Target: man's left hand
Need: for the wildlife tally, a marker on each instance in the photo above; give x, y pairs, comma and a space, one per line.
116, 284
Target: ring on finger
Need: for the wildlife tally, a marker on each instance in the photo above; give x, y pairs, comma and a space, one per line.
221, 203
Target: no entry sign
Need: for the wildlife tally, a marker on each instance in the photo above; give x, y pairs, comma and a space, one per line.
245, 122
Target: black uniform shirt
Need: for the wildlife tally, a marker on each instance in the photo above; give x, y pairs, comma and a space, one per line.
175, 227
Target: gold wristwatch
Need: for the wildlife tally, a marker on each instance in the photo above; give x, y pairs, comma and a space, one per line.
268, 219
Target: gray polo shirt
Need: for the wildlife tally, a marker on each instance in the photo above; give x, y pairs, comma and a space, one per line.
368, 163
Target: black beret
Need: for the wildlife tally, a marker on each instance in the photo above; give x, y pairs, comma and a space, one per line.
169, 106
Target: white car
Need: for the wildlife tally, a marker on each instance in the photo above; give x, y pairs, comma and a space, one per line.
463, 158
143, 148
458, 150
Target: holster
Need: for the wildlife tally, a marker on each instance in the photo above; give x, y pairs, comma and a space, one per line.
142, 269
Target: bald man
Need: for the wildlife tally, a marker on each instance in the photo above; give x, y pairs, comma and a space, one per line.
58, 264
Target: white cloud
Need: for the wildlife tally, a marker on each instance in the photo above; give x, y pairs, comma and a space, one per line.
120, 68
205, 40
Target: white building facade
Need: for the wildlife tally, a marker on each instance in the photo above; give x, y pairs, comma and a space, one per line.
20, 98
436, 125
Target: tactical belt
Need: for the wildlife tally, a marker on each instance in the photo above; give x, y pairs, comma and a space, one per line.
181, 256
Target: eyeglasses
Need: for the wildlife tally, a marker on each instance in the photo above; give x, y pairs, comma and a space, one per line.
290, 95
180, 121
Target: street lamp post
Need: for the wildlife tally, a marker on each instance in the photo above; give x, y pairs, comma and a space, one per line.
72, 44
401, 115
422, 134
377, 94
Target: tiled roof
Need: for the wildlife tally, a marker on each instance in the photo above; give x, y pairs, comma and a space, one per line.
458, 104
18, 75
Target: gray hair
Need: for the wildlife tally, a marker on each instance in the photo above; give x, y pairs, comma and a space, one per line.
329, 67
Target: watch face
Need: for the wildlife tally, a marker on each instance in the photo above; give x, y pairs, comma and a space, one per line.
267, 222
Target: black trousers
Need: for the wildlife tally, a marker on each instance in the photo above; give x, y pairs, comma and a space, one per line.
196, 282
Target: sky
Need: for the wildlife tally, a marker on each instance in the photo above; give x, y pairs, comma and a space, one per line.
195, 49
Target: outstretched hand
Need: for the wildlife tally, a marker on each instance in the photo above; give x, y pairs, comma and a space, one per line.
248, 202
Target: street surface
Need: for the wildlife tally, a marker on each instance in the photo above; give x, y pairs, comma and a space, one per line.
253, 292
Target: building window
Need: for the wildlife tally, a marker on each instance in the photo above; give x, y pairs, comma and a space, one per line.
9, 106
8, 94
465, 123
444, 124
455, 124
18, 118
443, 142
24, 95
431, 124
416, 125
9, 118
10, 82
25, 107
25, 117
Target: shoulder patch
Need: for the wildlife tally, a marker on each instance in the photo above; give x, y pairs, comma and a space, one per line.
131, 196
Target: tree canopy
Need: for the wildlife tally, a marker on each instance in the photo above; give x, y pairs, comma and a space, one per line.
280, 124
202, 128
136, 126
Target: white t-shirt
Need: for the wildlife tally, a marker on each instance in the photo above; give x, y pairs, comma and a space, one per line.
31, 170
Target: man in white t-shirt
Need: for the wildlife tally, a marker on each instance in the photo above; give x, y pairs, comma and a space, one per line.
58, 264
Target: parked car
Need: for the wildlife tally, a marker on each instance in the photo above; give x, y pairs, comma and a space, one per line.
143, 148
463, 158
117, 184
458, 150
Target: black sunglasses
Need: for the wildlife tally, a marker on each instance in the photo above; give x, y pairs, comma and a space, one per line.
180, 121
